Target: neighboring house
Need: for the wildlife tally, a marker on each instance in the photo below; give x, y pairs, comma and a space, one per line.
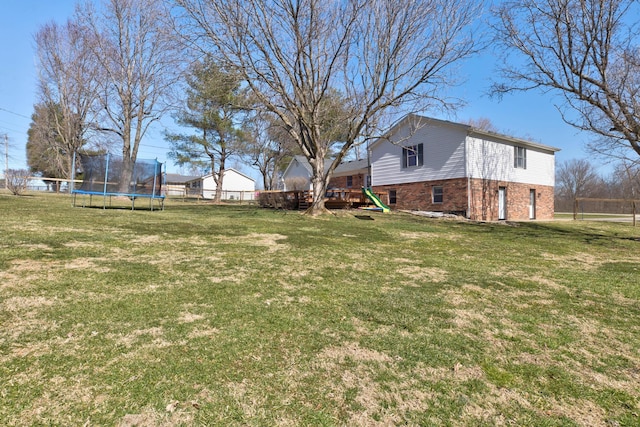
351, 174
175, 184
436, 165
297, 175
235, 186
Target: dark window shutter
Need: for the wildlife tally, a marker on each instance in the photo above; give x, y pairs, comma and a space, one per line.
404, 158
420, 155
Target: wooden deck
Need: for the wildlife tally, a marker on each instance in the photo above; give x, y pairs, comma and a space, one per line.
335, 198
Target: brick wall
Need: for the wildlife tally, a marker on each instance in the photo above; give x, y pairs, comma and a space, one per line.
418, 195
483, 203
484, 200
341, 181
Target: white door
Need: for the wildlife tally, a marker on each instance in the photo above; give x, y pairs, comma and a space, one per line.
502, 203
532, 204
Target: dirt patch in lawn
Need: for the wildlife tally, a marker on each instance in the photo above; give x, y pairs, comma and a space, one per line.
428, 274
584, 260
271, 242
429, 236
176, 414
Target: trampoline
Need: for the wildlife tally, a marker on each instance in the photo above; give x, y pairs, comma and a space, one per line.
104, 176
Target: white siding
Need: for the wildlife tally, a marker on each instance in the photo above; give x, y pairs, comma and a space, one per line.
494, 160
234, 186
235, 181
295, 171
444, 155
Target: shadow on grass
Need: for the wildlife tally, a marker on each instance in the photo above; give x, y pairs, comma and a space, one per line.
590, 235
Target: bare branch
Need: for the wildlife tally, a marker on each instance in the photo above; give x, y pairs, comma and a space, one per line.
586, 51
381, 58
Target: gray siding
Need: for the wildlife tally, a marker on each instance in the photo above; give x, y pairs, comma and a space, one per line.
444, 155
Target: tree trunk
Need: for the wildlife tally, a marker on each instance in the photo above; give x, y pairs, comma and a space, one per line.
220, 180
127, 174
319, 187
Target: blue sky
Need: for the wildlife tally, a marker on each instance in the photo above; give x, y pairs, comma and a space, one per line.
531, 115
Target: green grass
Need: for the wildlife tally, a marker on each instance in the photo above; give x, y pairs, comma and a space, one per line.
235, 315
592, 216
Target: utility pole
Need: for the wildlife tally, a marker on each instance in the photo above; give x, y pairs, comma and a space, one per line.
6, 160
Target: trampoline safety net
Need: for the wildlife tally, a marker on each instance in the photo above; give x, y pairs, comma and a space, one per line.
103, 174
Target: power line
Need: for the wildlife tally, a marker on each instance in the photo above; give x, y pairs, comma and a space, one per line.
14, 113
10, 129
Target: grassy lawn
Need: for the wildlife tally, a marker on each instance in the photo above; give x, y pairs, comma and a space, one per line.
233, 315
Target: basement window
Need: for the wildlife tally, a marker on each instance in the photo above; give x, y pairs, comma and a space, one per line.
393, 197
437, 194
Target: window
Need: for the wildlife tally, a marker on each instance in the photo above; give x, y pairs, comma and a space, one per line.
520, 158
392, 197
412, 156
349, 181
437, 194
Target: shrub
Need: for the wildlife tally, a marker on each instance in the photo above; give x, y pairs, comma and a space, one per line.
17, 180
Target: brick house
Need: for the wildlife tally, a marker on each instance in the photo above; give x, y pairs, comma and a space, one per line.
441, 166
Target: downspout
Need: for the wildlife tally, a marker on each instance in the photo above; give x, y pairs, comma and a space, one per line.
370, 180
468, 197
466, 173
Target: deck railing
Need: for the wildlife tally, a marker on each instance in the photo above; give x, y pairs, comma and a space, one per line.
335, 198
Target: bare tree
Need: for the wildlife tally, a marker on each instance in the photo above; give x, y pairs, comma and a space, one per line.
586, 51
139, 59
577, 178
269, 148
68, 77
483, 123
626, 176
382, 57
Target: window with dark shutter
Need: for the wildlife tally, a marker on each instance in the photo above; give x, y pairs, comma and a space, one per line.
520, 158
412, 156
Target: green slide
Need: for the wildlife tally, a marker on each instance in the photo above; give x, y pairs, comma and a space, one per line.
375, 199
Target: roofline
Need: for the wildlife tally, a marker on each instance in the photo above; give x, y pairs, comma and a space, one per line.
474, 131
305, 164
229, 169
470, 130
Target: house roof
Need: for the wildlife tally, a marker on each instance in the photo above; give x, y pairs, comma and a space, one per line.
302, 160
197, 178
174, 178
470, 130
342, 168
351, 166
